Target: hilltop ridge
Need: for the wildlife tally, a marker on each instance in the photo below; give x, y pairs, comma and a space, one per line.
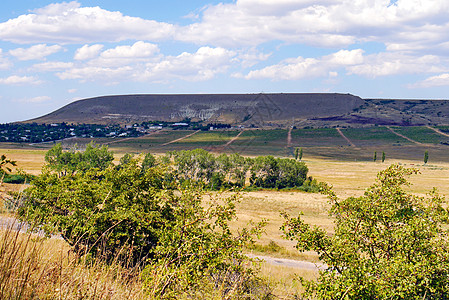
261, 110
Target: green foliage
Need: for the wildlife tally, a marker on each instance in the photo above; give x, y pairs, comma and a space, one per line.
270, 172
6, 164
69, 162
234, 170
426, 157
388, 244
149, 161
105, 212
375, 156
383, 156
198, 244
298, 153
126, 159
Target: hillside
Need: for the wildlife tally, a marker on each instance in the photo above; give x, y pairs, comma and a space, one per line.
261, 110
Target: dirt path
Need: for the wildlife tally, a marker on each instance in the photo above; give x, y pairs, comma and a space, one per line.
289, 138
403, 136
298, 264
14, 224
180, 139
344, 136
438, 131
233, 139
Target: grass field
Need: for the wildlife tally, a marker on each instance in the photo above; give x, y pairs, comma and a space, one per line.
349, 169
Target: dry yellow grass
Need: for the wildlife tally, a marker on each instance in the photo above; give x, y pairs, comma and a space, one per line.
36, 268
285, 280
348, 179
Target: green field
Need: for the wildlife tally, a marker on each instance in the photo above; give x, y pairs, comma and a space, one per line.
324, 143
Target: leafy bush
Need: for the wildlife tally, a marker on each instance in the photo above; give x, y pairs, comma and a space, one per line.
69, 162
125, 214
388, 244
109, 212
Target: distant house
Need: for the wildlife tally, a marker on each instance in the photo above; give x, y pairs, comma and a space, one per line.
180, 124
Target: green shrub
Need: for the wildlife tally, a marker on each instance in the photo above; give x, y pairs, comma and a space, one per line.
388, 244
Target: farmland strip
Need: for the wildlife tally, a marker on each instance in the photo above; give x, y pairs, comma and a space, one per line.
344, 136
289, 137
403, 136
438, 131
233, 139
180, 139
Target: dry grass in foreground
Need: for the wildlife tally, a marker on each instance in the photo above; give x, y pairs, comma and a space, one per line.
32, 267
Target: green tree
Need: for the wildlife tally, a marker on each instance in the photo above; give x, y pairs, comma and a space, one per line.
388, 243
126, 216
126, 159
69, 162
375, 156
300, 154
426, 157
103, 212
296, 153
149, 161
383, 156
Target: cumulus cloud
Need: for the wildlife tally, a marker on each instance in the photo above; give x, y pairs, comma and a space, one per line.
38, 99
392, 63
204, 64
299, 68
4, 62
433, 81
69, 23
35, 52
20, 80
52, 66
325, 23
96, 73
403, 24
139, 63
138, 50
88, 52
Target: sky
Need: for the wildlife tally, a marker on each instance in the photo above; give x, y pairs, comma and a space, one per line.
53, 52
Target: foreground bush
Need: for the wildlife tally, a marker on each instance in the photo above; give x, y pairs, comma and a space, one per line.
125, 215
388, 244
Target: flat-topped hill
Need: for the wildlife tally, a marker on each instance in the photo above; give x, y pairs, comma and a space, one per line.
318, 110
225, 108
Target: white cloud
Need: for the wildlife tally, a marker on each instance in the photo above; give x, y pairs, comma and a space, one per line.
204, 64
20, 80
138, 50
35, 52
52, 66
71, 91
299, 68
434, 81
4, 62
406, 24
38, 99
383, 64
88, 52
95, 73
139, 63
69, 23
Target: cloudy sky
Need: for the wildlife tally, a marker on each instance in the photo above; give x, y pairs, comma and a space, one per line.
52, 53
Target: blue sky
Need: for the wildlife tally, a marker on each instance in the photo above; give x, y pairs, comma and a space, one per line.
53, 53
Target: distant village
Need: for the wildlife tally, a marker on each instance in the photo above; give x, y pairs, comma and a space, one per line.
40, 133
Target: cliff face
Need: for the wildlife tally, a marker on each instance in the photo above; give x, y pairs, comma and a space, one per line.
257, 109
